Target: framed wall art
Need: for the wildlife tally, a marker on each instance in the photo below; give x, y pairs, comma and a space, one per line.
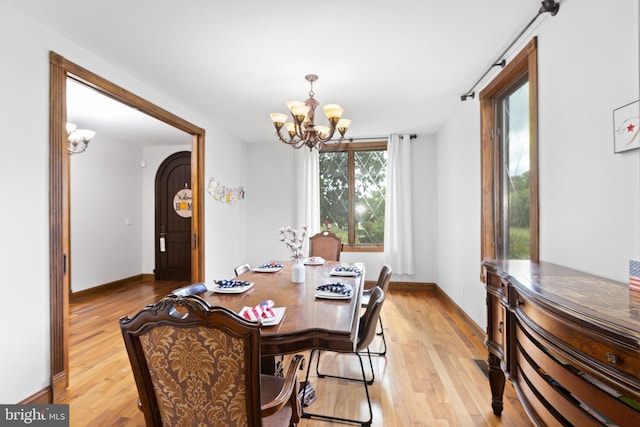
626, 124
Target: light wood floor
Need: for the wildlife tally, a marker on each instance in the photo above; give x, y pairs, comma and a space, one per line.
428, 378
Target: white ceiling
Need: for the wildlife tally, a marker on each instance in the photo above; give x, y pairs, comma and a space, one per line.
395, 66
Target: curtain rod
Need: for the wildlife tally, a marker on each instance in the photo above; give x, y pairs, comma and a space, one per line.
547, 6
371, 138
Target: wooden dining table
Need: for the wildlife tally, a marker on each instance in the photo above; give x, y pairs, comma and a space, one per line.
309, 322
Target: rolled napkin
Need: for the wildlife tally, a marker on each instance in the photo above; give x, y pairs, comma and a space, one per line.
231, 283
270, 265
355, 270
195, 289
260, 311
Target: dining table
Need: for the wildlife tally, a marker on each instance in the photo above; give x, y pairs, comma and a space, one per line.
309, 321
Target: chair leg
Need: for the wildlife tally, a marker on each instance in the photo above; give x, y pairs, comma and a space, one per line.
369, 381
366, 390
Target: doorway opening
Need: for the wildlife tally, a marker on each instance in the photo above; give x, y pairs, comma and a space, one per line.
62, 69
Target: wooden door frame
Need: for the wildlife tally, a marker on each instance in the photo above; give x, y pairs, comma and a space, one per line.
60, 70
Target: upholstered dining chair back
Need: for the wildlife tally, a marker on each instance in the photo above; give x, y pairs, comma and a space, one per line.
326, 245
194, 363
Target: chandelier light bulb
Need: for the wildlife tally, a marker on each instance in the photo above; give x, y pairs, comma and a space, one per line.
323, 131
71, 127
292, 104
78, 139
278, 119
332, 111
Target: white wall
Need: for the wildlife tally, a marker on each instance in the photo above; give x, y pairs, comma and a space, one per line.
589, 197
24, 174
270, 200
459, 210
106, 190
24, 264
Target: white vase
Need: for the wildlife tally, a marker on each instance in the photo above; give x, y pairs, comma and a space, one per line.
297, 271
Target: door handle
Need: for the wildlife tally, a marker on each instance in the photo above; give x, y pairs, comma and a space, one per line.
163, 242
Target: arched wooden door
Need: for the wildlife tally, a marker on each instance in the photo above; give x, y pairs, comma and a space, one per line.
173, 211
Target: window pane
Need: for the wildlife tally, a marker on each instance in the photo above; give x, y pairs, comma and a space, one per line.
370, 174
334, 193
516, 173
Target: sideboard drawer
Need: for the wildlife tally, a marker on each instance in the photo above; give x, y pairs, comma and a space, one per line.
606, 348
539, 356
551, 396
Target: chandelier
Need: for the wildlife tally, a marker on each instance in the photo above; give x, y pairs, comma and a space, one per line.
303, 132
78, 139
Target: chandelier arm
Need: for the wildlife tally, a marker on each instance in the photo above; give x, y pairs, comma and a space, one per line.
291, 141
332, 130
300, 133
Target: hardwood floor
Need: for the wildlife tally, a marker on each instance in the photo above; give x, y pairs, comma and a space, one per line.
428, 377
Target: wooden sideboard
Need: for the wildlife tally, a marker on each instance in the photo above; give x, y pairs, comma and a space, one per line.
568, 341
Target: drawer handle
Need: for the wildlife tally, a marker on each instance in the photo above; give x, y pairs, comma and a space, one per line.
612, 358
500, 326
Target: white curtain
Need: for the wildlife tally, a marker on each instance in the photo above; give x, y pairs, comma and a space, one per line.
307, 191
398, 222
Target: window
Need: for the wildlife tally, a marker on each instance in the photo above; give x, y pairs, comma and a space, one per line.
352, 193
509, 108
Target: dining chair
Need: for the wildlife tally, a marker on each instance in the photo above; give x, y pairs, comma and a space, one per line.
383, 282
241, 269
194, 289
194, 363
326, 245
366, 332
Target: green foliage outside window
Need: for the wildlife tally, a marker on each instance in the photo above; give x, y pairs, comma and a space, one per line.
368, 199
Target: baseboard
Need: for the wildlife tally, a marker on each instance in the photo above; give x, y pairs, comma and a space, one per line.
404, 286
109, 286
413, 286
43, 397
468, 321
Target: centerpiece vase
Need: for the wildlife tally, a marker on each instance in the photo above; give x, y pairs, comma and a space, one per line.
297, 271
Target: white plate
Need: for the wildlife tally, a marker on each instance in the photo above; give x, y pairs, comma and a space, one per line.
234, 290
331, 295
279, 314
313, 261
334, 272
266, 270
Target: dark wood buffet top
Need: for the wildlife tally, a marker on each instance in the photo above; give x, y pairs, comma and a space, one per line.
590, 296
